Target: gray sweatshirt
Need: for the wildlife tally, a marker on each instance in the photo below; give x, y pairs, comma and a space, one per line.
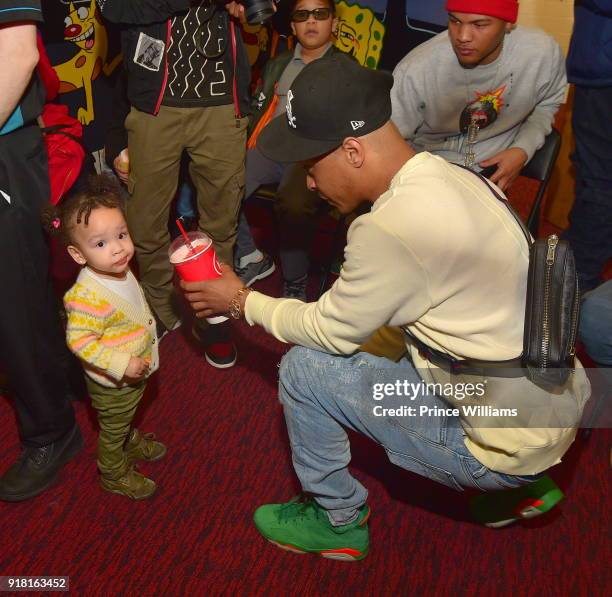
514, 99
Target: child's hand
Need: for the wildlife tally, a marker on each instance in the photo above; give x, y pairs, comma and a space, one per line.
137, 369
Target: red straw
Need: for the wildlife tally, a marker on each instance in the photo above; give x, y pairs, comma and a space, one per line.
187, 241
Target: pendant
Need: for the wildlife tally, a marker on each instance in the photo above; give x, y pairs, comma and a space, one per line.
471, 138
472, 132
470, 158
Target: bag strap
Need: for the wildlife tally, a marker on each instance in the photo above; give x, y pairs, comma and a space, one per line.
505, 201
264, 120
234, 75
441, 358
56, 129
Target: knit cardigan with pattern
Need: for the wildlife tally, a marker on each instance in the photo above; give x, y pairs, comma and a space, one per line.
105, 331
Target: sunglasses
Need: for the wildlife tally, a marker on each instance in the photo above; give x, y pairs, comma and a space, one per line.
320, 14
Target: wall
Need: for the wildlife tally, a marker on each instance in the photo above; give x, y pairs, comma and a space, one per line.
556, 17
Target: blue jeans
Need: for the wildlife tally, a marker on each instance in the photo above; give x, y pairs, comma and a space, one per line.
296, 209
596, 335
259, 170
596, 324
322, 394
185, 201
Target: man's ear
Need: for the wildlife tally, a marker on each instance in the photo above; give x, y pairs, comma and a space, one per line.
335, 26
76, 255
354, 151
293, 28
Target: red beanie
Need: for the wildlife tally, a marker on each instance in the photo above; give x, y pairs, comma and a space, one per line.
507, 10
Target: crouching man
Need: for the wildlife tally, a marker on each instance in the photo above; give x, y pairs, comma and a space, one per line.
438, 255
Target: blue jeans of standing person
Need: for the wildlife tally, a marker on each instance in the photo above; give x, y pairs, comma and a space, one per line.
259, 170
323, 394
185, 207
590, 231
596, 335
185, 201
596, 324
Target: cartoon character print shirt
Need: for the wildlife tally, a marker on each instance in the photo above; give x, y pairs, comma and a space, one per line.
199, 58
512, 101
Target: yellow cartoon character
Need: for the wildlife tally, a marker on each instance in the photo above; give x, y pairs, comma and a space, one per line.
360, 33
84, 28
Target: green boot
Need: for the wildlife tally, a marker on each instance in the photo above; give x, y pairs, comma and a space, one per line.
133, 485
501, 508
301, 525
143, 446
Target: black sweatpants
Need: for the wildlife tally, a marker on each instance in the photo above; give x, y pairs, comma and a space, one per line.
32, 346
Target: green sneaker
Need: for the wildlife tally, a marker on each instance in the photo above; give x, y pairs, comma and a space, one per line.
143, 446
302, 526
133, 485
501, 508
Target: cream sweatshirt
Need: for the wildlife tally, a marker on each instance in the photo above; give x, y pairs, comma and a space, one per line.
441, 257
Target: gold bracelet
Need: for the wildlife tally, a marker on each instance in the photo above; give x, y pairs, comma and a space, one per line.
235, 310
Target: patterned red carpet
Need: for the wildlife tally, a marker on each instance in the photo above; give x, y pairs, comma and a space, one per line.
228, 453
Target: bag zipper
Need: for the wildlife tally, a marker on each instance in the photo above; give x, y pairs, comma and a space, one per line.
572, 346
553, 240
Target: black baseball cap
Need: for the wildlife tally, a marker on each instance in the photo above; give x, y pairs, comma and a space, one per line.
333, 98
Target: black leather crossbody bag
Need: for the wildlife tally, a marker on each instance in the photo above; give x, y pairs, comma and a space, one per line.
552, 312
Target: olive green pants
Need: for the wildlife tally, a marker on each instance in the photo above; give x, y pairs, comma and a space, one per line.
216, 145
115, 409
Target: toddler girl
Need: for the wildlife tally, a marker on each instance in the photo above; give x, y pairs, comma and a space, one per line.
110, 328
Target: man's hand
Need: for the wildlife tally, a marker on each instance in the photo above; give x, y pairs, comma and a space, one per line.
137, 369
236, 10
213, 297
509, 165
122, 167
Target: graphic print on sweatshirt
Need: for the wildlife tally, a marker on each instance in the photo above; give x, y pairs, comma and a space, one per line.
483, 110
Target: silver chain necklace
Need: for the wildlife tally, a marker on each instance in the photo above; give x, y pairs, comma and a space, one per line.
471, 134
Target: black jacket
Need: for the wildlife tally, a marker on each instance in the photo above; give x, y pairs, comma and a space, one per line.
151, 18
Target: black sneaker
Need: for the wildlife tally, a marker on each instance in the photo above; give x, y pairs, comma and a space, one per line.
219, 350
36, 469
256, 271
296, 289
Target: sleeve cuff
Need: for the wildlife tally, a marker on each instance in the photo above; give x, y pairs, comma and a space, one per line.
25, 10
527, 145
118, 364
254, 307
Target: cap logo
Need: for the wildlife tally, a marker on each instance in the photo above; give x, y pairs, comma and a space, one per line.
290, 116
357, 124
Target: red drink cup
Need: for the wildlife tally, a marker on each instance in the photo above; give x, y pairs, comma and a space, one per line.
198, 264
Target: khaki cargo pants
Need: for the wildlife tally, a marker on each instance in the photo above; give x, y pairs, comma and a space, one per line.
216, 144
115, 409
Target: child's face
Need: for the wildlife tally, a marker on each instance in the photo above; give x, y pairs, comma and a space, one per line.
313, 34
104, 244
